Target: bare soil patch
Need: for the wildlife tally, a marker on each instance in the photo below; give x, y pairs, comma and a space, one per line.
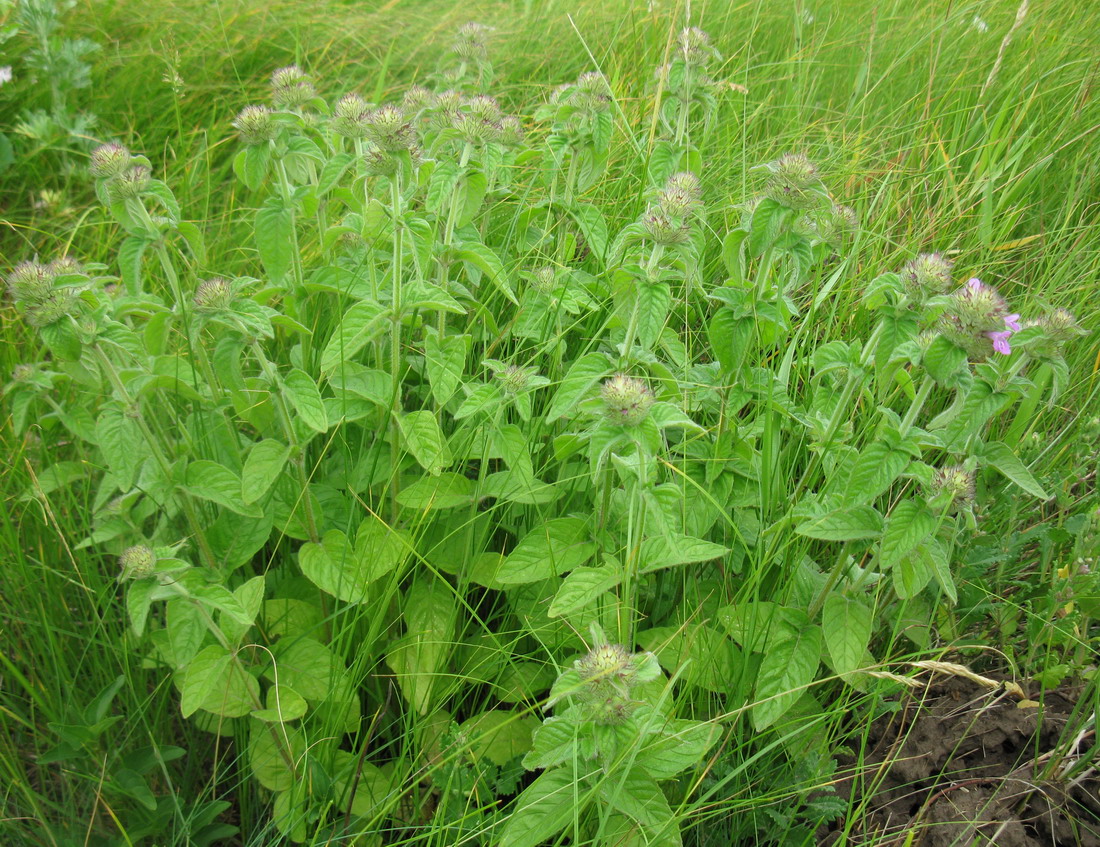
962, 765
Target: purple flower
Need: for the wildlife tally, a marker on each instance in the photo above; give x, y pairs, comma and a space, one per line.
1000, 341
1013, 322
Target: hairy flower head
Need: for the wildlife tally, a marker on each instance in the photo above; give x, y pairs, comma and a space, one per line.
137, 562
511, 131
627, 400
109, 160
695, 47
794, 182
953, 484
470, 40
30, 282
977, 320
291, 88
213, 295
130, 184
53, 307
255, 124
350, 116
388, 128
927, 275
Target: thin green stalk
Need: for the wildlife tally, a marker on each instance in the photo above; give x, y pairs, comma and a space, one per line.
158, 454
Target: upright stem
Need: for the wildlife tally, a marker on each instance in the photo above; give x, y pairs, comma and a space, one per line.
158, 454
918, 403
291, 436
395, 338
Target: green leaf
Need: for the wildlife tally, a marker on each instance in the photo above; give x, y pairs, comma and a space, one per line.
908, 525
272, 753
380, 548
262, 467
914, 571
544, 809
498, 735
62, 340
419, 658
129, 262
729, 339
283, 704
581, 587
846, 624
440, 186
470, 197
786, 669
552, 549
653, 302
139, 597
334, 567
360, 324
484, 259
638, 796
943, 360
446, 491
555, 742
305, 398
332, 171
274, 231
216, 682
445, 360
768, 219
681, 744
307, 666
580, 377
659, 552
593, 227
849, 524
875, 470
1001, 457
119, 438
425, 440
210, 481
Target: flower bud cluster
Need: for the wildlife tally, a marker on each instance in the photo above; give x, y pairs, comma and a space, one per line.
1057, 329
793, 182
291, 88
926, 276
609, 674
471, 40
627, 400
109, 160
123, 177
32, 286
977, 320
256, 125
213, 295
137, 562
514, 378
388, 128
667, 221
835, 224
350, 116
695, 47
952, 486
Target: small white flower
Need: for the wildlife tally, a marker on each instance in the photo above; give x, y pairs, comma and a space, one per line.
5, 74
979, 24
